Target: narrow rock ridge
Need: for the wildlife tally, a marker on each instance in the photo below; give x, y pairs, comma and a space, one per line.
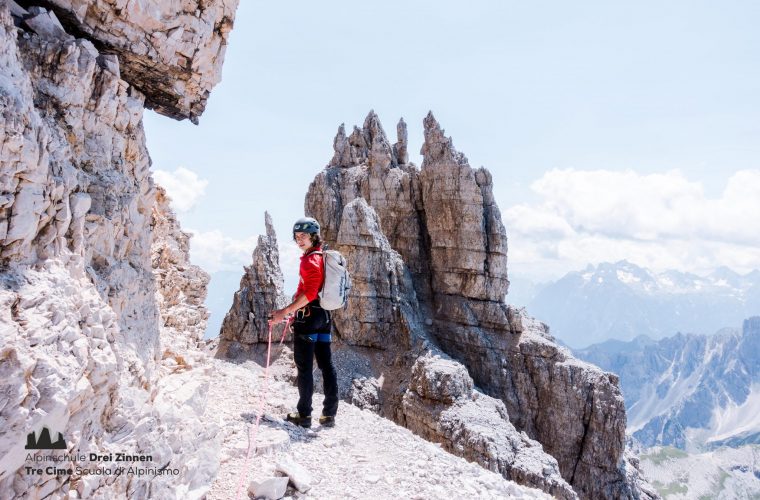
101, 311
261, 291
172, 52
444, 225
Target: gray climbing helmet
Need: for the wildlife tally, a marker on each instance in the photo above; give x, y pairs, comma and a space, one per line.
306, 225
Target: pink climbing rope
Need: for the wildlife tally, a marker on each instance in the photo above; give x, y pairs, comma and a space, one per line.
285, 329
254, 430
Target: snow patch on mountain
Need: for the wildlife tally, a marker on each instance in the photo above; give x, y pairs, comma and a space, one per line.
623, 300
736, 419
652, 403
627, 277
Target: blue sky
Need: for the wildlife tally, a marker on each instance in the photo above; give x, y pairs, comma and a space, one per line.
613, 130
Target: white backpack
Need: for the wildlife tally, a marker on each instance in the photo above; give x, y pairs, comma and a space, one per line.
334, 293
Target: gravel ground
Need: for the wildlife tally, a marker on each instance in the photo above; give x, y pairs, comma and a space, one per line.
363, 456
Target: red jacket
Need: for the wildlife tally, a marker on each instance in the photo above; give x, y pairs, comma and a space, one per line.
311, 274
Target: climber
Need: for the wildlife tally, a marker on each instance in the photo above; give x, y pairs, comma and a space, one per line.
311, 328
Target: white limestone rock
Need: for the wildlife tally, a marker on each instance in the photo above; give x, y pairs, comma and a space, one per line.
440, 379
181, 286
47, 25
98, 342
298, 475
272, 488
172, 51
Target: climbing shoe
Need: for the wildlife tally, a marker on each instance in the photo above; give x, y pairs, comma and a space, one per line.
326, 421
299, 420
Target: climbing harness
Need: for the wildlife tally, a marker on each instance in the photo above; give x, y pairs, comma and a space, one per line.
304, 312
254, 430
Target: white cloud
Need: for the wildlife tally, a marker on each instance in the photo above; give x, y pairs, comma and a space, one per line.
661, 221
183, 186
214, 251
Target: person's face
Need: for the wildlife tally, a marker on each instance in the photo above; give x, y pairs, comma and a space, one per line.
303, 240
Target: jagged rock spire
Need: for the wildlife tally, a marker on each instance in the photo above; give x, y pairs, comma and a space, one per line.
400, 149
372, 127
468, 259
261, 291
270, 229
367, 145
437, 146
341, 158
381, 152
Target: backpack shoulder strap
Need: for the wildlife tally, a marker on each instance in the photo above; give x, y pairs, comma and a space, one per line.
321, 252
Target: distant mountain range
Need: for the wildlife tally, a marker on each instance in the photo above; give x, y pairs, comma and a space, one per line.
725, 473
623, 301
688, 391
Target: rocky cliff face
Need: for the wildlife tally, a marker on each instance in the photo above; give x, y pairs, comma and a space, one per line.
420, 386
426, 323
443, 222
93, 336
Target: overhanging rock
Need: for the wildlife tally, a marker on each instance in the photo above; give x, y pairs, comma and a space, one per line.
171, 51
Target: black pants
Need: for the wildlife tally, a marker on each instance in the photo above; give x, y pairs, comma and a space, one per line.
304, 351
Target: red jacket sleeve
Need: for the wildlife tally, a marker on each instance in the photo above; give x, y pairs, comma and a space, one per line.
311, 276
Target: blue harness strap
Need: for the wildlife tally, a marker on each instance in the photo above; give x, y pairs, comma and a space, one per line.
319, 337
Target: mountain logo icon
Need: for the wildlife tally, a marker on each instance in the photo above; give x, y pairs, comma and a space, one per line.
44, 442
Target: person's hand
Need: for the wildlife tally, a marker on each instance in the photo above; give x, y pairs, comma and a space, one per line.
277, 316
